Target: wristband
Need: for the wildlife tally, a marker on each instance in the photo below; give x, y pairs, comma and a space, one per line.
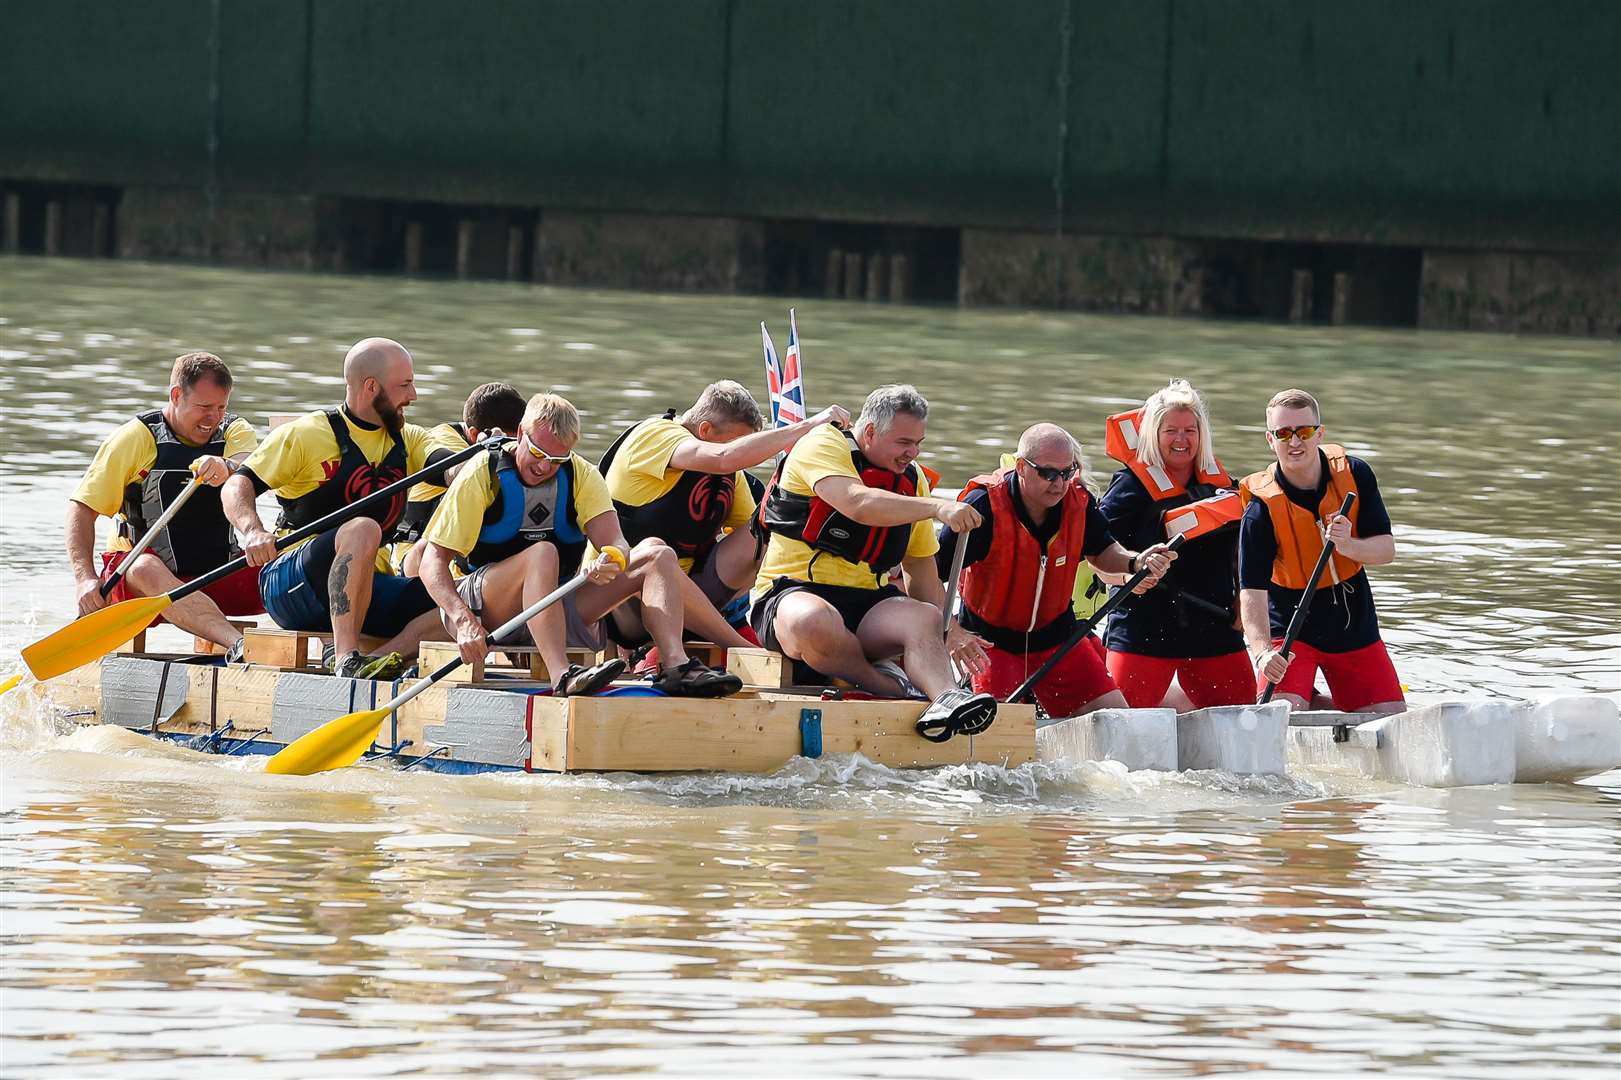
1131, 565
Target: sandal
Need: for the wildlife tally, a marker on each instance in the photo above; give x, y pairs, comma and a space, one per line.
956, 712
578, 681
696, 679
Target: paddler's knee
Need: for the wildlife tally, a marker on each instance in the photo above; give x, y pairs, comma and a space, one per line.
653, 552
358, 533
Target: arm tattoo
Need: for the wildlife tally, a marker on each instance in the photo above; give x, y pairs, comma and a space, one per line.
338, 585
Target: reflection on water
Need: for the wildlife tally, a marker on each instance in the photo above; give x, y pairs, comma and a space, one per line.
163, 911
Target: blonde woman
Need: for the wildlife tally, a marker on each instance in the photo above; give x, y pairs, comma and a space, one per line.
1173, 484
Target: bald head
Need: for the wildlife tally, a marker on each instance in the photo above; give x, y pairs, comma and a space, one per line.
1048, 444
372, 358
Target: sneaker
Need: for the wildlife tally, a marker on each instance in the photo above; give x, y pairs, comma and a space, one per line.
578, 681
385, 668
329, 658
346, 667
233, 655
956, 712
896, 672
697, 680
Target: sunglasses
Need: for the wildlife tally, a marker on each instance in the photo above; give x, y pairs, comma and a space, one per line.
1052, 476
540, 455
1304, 431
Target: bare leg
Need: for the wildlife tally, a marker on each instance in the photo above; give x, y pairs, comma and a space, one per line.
349, 581
810, 629
911, 628
701, 621
1114, 699
515, 583
655, 574
196, 614
736, 563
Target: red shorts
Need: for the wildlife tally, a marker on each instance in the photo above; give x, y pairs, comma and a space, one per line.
236, 594
1356, 679
1080, 677
1207, 680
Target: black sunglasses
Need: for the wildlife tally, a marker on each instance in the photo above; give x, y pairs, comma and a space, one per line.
1052, 476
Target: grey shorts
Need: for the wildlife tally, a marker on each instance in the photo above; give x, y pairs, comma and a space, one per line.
578, 633
630, 631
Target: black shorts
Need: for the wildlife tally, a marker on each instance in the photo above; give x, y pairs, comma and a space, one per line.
294, 590
852, 604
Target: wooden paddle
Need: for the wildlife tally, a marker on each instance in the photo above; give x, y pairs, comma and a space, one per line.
1298, 619
100, 632
152, 533
1124, 593
340, 743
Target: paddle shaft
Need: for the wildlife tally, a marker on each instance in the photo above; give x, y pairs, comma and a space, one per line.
1109, 606
957, 557
151, 534
1298, 619
493, 638
338, 516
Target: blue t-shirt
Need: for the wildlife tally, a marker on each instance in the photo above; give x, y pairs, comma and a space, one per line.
1342, 618
1168, 621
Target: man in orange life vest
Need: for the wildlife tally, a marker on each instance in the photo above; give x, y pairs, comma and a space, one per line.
319, 463
1293, 505
1037, 523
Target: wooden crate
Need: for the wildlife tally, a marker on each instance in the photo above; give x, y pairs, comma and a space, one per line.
761, 667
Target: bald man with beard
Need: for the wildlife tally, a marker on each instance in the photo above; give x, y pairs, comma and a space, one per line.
1037, 522
339, 581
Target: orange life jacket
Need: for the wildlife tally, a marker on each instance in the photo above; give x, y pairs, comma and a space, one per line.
1212, 505
1019, 586
1300, 540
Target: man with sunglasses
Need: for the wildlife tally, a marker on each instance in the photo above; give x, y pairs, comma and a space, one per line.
1037, 522
1292, 506
523, 518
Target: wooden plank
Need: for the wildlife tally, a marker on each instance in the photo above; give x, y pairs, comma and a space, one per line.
760, 667
431, 655
499, 661
267, 646
246, 697
548, 734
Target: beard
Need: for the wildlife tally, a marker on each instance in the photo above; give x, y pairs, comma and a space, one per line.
393, 418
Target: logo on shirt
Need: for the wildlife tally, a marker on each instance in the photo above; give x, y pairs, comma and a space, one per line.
368, 479
711, 499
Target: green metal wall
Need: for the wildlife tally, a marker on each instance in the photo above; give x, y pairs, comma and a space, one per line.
1354, 121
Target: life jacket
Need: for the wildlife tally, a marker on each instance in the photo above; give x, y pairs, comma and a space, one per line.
1299, 540
1019, 585
815, 523
353, 479
1208, 504
688, 517
521, 515
198, 538
414, 522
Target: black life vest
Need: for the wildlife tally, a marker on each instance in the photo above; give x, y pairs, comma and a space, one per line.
522, 515
688, 517
353, 480
198, 538
814, 522
414, 522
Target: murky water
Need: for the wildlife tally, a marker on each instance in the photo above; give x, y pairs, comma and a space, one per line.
165, 912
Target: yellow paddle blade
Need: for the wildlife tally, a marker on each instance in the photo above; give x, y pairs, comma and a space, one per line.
333, 745
92, 637
11, 683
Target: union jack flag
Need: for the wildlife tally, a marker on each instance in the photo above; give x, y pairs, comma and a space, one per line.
783, 377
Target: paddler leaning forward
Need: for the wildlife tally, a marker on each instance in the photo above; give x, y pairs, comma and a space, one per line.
1173, 485
1038, 522
321, 462
138, 471
522, 517
845, 511
1293, 505
681, 480
494, 406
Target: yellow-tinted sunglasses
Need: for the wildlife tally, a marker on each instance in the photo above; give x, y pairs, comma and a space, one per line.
1305, 431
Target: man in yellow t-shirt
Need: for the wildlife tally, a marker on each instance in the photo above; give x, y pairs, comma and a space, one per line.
681, 481
318, 464
523, 518
137, 472
844, 513
490, 407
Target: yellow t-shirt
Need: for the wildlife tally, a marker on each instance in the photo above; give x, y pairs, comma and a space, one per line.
459, 518
297, 457
443, 437
822, 453
128, 454
640, 472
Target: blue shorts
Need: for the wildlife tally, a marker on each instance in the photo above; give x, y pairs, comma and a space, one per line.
294, 589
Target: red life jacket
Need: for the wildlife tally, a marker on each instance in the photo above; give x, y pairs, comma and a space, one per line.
1019, 586
1209, 504
815, 523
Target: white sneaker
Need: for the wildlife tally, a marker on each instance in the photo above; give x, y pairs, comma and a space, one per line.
896, 672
